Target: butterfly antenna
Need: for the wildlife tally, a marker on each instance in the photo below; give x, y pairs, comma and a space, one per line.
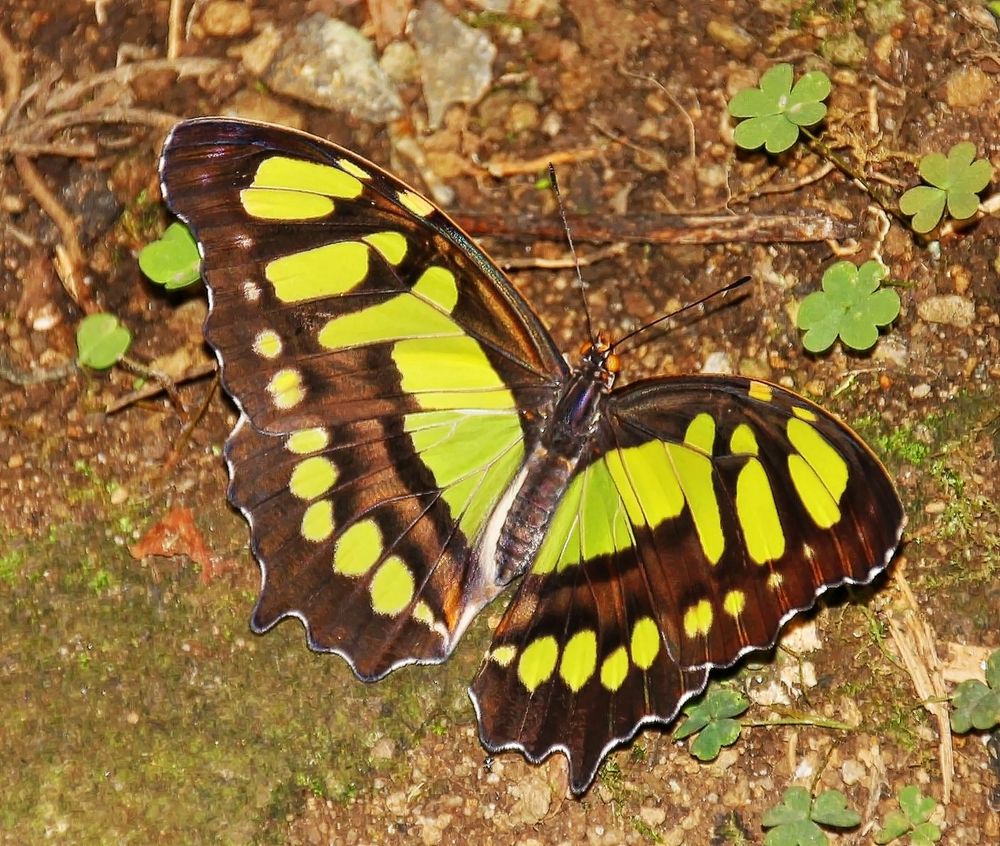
581, 285
725, 289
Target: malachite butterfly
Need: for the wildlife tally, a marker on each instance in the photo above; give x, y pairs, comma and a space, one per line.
411, 442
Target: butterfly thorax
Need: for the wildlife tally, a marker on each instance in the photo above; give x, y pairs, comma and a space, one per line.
567, 439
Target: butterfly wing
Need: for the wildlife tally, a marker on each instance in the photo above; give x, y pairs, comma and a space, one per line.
714, 510
380, 362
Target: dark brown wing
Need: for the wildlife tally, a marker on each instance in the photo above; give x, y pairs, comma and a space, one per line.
716, 509
381, 363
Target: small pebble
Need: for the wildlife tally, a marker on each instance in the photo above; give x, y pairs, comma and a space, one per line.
652, 816
226, 19
969, 88
947, 309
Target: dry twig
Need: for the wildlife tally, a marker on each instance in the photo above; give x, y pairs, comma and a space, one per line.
914, 640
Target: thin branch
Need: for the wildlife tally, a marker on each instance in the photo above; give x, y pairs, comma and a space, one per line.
124, 75
175, 24
22, 377
162, 379
10, 66
501, 168
72, 260
692, 138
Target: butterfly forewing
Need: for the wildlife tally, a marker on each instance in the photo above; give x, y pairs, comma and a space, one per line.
381, 364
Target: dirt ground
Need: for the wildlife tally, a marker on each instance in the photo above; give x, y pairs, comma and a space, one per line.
137, 707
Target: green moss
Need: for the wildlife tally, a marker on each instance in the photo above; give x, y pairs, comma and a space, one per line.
141, 709
11, 564
904, 444
645, 830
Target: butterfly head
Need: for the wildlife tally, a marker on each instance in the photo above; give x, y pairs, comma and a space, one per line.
598, 357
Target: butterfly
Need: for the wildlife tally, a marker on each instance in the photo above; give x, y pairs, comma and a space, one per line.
411, 444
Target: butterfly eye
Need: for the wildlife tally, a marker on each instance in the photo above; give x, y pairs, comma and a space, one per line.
586, 347
613, 363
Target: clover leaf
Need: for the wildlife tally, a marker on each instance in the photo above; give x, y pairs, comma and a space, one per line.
953, 181
711, 717
101, 341
977, 705
850, 305
797, 820
775, 110
173, 261
912, 818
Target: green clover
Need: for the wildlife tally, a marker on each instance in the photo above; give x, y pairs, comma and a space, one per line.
850, 305
954, 181
977, 705
797, 820
173, 261
712, 717
775, 110
101, 341
912, 818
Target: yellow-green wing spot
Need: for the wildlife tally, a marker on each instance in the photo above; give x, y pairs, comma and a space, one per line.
286, 388
700, 433
390, 245
734, 603
694, 474
413, 202
758, 514
646, 482
503, 655
743, 441
451, 372
698, 619
438, 286
760, 391
604, 526
473, 457
327, 271
823, 458
614, 669
307, 441
312, 477
537, 662
353, 169
267, 344
814, 494
280, 204
819, 473
358, 549
291, 174
422, 614
804, 414
317, 521
392, 587
645, 643
423, 313
579, 659
403, 316
589, 522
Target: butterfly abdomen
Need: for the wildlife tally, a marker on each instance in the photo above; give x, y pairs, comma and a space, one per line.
566, 439
545, 478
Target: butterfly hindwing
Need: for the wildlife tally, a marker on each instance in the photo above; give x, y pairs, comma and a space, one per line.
380, 362
714, 509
